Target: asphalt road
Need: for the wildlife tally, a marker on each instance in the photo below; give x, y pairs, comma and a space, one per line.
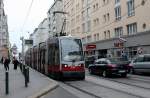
94, 86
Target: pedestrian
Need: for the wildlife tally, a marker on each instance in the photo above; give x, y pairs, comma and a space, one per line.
2, 59
15, 62
6, 63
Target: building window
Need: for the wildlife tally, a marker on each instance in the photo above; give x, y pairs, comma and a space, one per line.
105, 2
132, 28
78, 18
88, 26
131, 10
105, 35
97, 36
108, 34
89, 38
118, 12
88, 12
84, 40
117, 1
118, 32
106, 17
83, 27
96, 21
83, 3
83, 15
96, 6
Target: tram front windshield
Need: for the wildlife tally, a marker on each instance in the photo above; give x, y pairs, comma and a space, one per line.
71, 50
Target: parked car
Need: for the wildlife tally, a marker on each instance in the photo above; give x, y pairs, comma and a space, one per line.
141, 64
110, 66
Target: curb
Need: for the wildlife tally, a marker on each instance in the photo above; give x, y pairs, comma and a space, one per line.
53, 85
44, 91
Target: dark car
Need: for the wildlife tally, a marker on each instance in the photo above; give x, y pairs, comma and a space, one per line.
141, 64
110, 66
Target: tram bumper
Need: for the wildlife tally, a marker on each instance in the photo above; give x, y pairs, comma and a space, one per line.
73, 74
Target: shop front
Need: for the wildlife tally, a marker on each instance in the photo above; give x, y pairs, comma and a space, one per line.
128, 46
90, 55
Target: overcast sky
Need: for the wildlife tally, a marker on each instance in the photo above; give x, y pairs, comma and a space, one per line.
16, 11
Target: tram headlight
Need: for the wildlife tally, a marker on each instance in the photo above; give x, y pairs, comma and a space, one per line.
64, 65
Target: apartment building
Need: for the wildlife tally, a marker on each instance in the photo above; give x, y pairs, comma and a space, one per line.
40, 34
56, 18
4, 37
110, 27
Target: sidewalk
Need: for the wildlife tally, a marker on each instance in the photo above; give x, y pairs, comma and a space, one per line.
38, 85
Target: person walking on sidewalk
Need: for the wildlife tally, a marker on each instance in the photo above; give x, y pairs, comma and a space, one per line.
6, 63
15, 62
2, 59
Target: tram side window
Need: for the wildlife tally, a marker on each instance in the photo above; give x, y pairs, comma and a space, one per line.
53, 55
43, 57
56, 52
50, 55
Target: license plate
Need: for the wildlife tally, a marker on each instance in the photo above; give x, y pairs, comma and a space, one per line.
122, 71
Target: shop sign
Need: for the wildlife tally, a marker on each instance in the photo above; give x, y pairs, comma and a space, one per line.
91, 46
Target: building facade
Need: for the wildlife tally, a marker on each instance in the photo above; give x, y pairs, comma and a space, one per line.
56, 18
41, 33
4, 36
115, 27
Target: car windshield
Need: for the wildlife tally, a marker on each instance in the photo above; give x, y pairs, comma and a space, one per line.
71, 50
117, 60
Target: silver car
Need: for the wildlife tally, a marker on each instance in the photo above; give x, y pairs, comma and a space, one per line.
141, 64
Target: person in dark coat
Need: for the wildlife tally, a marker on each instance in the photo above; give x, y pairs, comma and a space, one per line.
2, 60
15, 62
6, 63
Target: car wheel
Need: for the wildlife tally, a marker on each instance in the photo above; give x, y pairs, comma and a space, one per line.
124, 75
132, 71
104, 74
90, 71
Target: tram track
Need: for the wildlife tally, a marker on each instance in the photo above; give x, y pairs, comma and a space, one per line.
132, 79
84, 91
140, 78
127, 83
118, 90
96, 96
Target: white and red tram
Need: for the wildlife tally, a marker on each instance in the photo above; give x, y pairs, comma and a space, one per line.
58, 57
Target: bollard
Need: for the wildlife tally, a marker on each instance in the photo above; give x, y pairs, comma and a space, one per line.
23, 66
28, 78
25, 75
7, 82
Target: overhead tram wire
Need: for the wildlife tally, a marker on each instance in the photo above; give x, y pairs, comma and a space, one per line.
29, 9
